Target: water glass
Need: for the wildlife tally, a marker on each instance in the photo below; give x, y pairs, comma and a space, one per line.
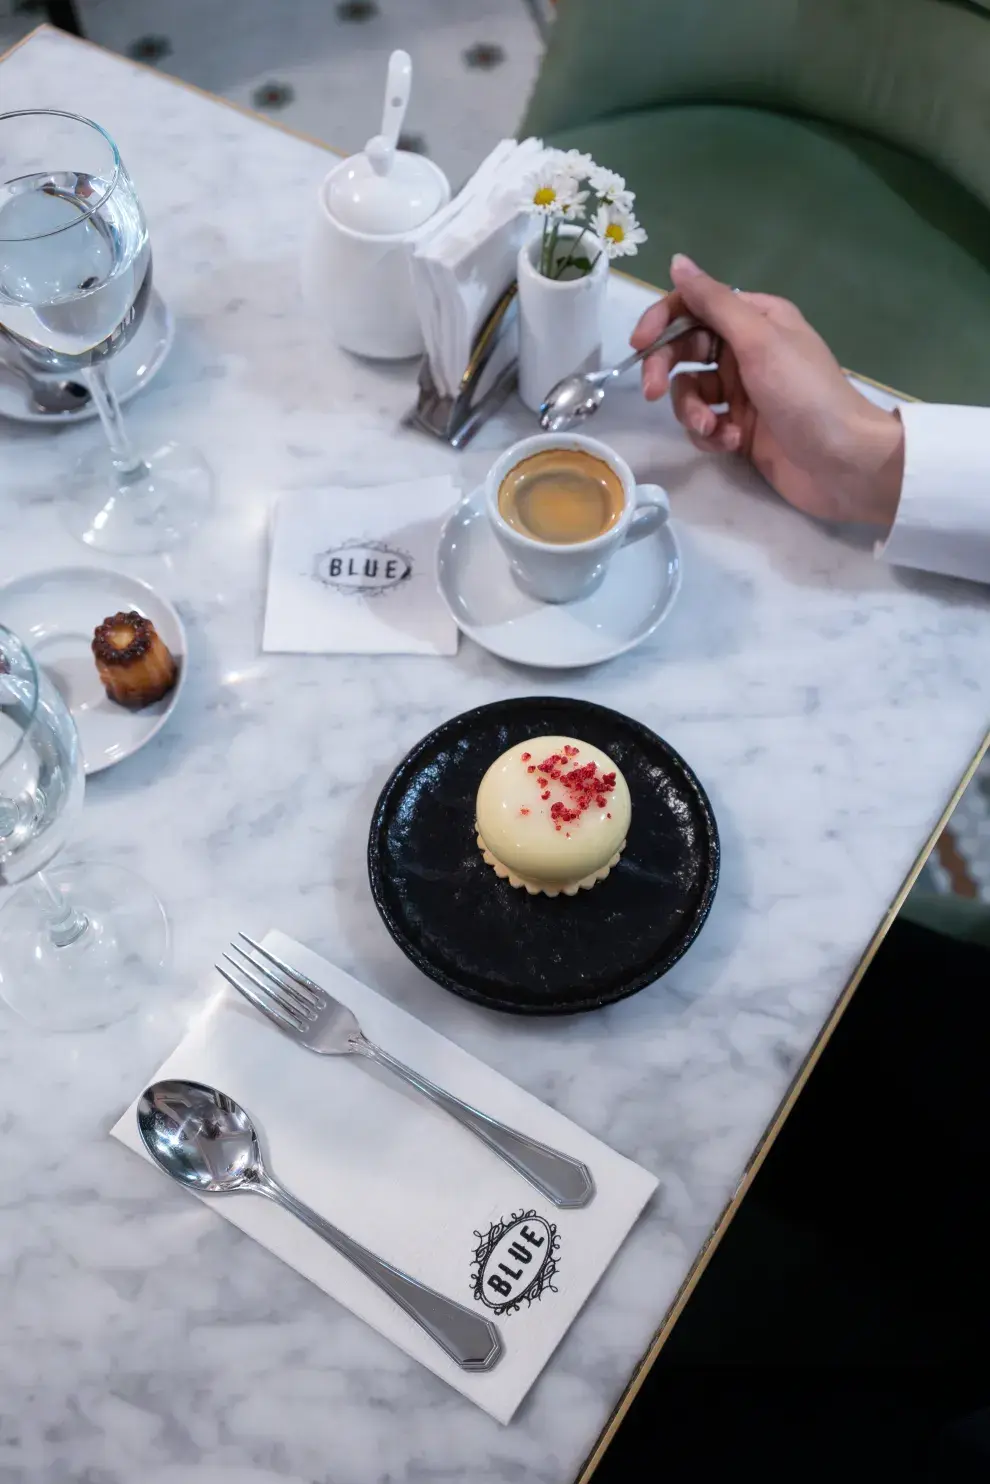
75, 278
80, 945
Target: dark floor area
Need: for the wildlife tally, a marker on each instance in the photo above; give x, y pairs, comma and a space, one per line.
844, 1322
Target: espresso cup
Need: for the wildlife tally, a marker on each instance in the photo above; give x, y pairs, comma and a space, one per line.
560, 572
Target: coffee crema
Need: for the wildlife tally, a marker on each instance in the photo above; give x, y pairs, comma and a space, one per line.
562, 496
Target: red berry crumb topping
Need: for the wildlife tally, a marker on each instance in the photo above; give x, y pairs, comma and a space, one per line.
582, 785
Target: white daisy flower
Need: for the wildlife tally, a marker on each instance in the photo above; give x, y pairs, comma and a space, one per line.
549, 193
619, 231
610, 188
574, 162
573, 208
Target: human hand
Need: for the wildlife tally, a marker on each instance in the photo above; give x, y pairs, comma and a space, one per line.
822, 445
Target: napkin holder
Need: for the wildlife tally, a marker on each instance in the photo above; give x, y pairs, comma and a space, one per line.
456, 419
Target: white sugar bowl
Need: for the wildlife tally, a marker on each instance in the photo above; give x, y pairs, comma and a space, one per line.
370, 209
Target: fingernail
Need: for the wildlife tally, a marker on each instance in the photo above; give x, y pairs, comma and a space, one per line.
685, 266
701, 424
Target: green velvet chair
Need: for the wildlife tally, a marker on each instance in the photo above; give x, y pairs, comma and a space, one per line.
835, 151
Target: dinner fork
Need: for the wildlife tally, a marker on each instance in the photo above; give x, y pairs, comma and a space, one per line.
306, 1012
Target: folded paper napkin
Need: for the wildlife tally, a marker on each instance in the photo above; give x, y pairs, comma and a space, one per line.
465, 257
353, 571
404, 1178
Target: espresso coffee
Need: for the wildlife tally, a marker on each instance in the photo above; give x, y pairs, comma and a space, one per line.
562, 496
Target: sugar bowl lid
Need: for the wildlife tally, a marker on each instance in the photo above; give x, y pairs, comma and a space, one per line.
366, 197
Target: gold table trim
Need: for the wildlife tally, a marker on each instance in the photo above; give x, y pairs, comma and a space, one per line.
718, 1230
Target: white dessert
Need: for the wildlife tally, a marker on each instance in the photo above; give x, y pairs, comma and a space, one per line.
553, 814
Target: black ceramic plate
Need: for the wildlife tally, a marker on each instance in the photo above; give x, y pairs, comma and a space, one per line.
496, 945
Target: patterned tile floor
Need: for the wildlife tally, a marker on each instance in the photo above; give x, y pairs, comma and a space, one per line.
319, 66
964, 850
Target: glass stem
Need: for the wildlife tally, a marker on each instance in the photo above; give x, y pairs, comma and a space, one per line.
127, 465
65, 924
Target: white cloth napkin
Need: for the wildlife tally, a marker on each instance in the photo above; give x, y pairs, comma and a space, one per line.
401, 1176
465, 257
353, 571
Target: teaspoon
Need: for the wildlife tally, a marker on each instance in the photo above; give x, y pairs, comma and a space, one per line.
56, 397
51, 397
576, 397
205, 1140
48, 394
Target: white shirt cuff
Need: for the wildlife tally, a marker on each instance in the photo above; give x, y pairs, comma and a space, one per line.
943, 519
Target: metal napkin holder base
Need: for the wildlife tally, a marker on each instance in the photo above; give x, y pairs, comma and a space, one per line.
456, 419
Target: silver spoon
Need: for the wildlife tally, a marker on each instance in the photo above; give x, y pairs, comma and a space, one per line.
50, 397
48, 394
56, 397
577, 397
205, 1140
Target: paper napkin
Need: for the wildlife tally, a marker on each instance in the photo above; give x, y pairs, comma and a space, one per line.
465, 257
402, 1177
353, 571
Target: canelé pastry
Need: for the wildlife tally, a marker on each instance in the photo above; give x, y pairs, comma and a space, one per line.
553, 815
136, 667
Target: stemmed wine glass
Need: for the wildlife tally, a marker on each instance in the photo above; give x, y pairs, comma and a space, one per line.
79, 945
75, 277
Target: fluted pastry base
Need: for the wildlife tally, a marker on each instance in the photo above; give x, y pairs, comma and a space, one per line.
548, 888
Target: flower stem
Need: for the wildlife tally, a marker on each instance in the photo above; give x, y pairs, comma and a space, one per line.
570, 258
554, 235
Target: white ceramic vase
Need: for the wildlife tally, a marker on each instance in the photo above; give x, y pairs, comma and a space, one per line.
560, 319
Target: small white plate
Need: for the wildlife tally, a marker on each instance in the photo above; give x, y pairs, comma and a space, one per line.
473, 575
55, 613
129, 370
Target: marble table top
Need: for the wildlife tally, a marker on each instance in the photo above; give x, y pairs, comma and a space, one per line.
829, 703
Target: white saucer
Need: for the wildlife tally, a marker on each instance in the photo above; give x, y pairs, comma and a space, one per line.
128, 371
473, 575
55, 613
